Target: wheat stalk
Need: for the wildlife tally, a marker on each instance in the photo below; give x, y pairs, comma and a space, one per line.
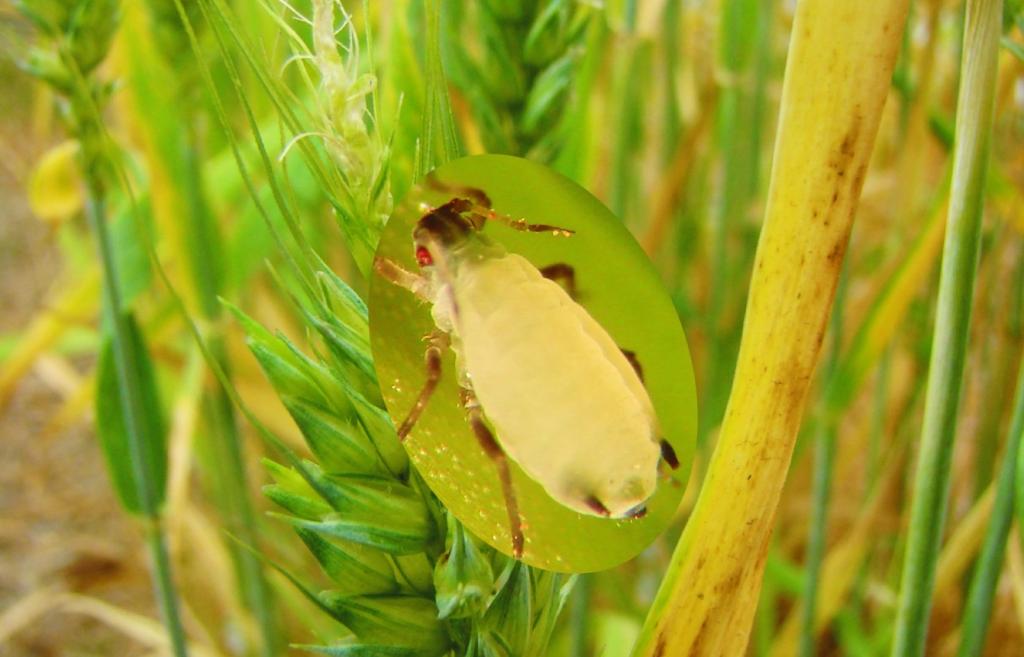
516, 65
75, 38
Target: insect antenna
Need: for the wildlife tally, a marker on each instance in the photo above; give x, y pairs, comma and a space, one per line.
524, 226
481, 209
475, 194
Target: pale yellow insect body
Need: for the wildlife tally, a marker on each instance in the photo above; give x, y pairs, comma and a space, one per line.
564, 401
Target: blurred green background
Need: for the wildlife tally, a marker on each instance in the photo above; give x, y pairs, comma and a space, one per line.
218, 173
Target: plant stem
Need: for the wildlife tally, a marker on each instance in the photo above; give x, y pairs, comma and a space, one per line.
956, 292
706, 602
205, 244
824, 456
86, 118
978, 610
132, 407
164, 583
579, 616
235, 504
878, 409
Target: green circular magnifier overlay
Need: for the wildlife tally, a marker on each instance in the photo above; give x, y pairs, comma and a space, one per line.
533, 363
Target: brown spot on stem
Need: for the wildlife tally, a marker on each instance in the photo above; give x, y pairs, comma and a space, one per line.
835, 255
858, 179
729, 586
846, 148
697, 640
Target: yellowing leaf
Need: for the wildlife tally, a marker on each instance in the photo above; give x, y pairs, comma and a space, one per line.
55, 188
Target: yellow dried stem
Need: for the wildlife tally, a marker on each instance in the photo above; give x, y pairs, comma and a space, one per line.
76, 406
666, 193
963, 545
146, 631
77, 302
55, 188
889, 310
837, 77
1016, 566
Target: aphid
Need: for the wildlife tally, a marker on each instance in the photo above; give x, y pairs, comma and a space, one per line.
564, 401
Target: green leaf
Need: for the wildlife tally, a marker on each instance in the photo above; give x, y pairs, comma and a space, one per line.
383, 536
359, 569
511, 613
439, 142
981, 595
91, 31
297, 504
364, 650
131, 258
379, 427
547, 96
489, 644
347, 304
50, 16
352, 357
551, 592
287, 374
463, 577
1012, 11
340, 444
1015, 49
546, 38
293, 375
975, 111
356, 494
373, 511
114, 435
403, 621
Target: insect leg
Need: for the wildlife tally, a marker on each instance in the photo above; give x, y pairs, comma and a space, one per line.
668, 454
565, 276
496, 454
668, 463
637, 512
391, 271
597, 506
432, 357
634, 361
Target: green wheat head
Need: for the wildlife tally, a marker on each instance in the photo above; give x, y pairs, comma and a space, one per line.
515, 63
407, 579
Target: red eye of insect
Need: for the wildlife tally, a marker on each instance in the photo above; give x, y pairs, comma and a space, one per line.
423, 256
